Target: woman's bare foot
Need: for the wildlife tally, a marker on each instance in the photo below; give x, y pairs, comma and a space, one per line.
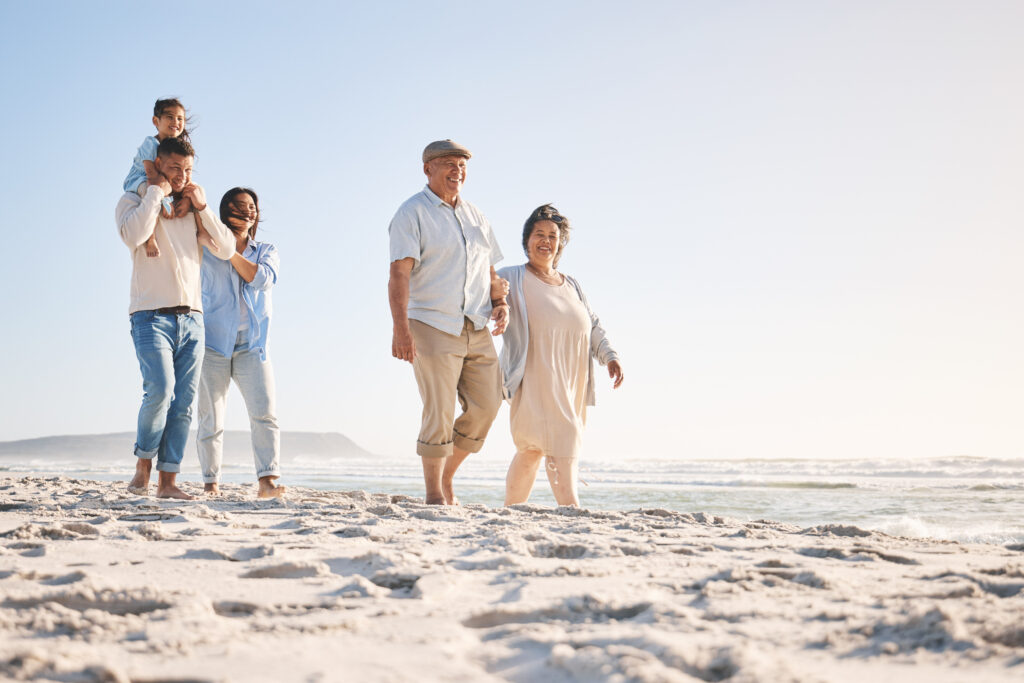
211, 489
140, 482
166, 488
268, 489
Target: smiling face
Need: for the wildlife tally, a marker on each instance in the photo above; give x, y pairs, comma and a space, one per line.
445, 176
170, 123
244, 214
177, 168
543, 245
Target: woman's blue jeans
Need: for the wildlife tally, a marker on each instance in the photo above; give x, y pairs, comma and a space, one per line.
170, 352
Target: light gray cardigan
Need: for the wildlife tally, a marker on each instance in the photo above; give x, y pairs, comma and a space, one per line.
517, 336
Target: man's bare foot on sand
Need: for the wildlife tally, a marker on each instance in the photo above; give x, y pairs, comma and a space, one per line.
211, 489
165, 487
140, 482
268, 489
449, 493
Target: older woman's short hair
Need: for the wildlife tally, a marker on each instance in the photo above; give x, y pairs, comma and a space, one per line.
547, 212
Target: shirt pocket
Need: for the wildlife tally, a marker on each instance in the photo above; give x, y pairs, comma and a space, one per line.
477, 246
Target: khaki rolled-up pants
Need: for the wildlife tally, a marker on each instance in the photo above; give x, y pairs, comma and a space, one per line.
448, 367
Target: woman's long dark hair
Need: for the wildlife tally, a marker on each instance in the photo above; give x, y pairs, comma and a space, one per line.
227, 208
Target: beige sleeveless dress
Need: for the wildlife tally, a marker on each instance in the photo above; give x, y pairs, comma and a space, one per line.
549, 410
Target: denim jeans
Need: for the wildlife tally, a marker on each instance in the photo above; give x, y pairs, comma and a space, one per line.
255, 380
170, 351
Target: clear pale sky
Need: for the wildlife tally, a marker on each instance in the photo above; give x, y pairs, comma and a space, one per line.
800, 222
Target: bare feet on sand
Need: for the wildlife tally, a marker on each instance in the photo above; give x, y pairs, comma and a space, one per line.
165, 487
211, 489
268, 489
140, 482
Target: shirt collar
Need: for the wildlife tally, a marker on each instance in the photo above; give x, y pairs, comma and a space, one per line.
435, 200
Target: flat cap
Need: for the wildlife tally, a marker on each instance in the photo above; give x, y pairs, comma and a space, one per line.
445, 148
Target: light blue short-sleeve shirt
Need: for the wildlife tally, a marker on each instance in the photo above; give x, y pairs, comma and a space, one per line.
454, 249
137, 174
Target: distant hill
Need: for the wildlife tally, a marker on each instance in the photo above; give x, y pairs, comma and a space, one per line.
237, 446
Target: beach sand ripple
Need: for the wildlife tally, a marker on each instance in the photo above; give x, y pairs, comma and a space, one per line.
98, 584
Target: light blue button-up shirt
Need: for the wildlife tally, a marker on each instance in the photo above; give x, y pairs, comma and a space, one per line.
225, 292
454, 249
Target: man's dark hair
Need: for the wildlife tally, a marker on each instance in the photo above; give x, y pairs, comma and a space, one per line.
170, 146
162, 105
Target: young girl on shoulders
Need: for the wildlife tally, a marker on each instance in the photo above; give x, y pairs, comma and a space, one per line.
170, 120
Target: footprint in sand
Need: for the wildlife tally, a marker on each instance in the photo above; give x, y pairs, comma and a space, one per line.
289, 570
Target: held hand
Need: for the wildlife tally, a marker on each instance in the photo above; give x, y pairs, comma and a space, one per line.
182, 207
499, 314
196, 195
163, 184
615, 372
403, 346
499, 288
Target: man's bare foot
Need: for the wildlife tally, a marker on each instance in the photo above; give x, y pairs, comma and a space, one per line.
449, 493
212, 489
140, 482
268, 489
165, 487
435, 500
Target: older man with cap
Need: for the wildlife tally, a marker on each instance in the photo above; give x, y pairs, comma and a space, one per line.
443, 289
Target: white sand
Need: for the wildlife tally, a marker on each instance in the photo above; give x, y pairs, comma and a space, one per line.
97, 584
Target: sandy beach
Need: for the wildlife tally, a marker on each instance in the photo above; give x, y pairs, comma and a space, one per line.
98, 584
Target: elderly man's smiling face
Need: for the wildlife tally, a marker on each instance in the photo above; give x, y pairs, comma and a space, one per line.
445, 176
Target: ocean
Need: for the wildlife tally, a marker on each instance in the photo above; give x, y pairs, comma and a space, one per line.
953, 498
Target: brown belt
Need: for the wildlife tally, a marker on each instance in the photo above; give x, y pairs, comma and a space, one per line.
175, 310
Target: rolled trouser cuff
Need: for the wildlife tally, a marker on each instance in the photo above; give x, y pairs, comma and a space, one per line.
145, 455
467, 444
173, 467
433, 450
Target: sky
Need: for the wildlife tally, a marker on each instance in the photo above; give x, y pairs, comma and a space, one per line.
799, 222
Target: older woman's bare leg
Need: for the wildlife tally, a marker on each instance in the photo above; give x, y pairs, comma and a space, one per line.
521, 475
563, 473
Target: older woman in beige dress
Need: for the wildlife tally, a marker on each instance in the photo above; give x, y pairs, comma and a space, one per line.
547, 359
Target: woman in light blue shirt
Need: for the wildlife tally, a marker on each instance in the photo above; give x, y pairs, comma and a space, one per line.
237, 310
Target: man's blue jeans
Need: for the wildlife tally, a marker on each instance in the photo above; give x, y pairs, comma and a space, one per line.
170, 351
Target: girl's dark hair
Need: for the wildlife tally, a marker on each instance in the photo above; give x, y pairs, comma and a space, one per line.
547, 212
227, 209
162, 105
